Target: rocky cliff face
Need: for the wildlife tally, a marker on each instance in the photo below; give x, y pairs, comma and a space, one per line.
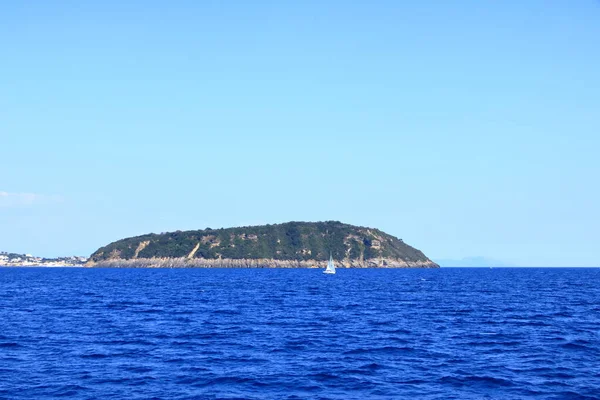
289, 245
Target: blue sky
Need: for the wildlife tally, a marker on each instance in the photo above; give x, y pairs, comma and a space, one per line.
467, 128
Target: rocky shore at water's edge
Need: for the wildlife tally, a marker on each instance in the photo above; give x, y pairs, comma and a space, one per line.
184, 262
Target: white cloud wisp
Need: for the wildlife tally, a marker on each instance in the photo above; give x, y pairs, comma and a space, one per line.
8, 199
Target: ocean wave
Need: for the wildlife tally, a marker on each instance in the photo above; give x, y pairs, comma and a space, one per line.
262, 334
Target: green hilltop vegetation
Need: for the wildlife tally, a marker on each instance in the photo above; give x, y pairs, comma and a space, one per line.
301, 241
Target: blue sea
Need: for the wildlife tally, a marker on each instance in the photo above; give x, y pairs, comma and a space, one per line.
498, 333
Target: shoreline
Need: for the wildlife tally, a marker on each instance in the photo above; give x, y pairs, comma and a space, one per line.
254, 263
41, 266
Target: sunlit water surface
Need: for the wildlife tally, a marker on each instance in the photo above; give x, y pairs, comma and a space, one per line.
249, 333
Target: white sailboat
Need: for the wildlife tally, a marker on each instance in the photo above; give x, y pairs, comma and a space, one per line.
330, 266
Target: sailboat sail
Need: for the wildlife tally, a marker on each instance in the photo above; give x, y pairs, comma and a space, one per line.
330, 266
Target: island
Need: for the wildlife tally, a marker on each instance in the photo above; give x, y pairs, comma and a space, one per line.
286, 245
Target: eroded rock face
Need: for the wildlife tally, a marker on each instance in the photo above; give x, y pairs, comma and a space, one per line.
255, 263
